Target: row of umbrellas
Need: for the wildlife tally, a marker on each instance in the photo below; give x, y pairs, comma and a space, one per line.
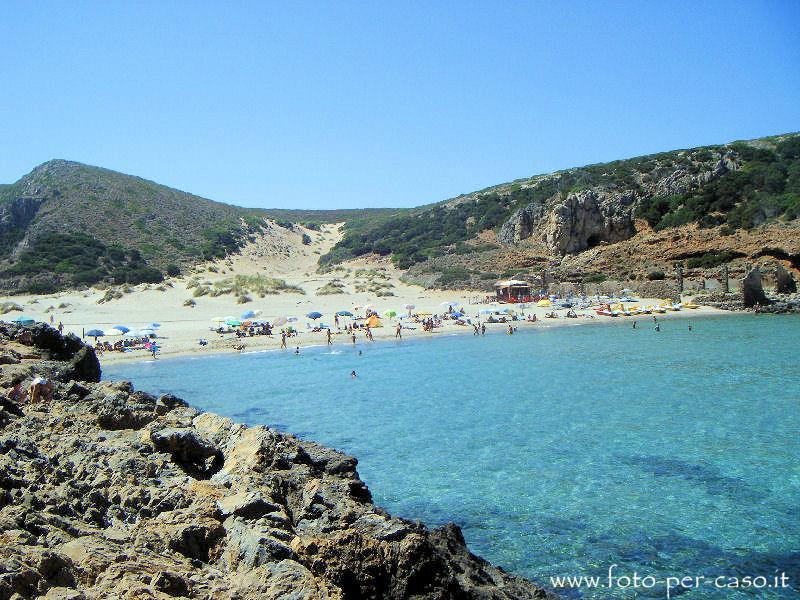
117, 330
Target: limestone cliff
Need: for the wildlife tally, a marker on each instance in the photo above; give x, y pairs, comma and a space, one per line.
107, 492
568, 223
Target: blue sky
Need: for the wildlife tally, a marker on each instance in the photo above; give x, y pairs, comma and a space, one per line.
344, 104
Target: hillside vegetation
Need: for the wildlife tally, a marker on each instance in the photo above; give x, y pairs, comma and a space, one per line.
758, 181
67, 224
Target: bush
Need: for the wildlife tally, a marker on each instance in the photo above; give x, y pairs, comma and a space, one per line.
710, 260
306, 239
173, 270
190, 303
656, 276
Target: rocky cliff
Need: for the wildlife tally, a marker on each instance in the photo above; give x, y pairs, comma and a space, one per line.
106, 492
568, 223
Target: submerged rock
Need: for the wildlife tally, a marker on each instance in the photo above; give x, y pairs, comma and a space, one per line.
106, 492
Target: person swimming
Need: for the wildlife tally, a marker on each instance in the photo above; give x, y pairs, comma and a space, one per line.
297, 350
658, 327
353, 374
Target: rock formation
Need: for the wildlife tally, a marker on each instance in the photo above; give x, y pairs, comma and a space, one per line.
107, 492
752, 289
784, 282
571, 223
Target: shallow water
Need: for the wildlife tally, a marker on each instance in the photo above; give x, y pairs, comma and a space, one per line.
559, 452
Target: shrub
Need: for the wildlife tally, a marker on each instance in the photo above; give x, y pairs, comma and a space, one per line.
656, 276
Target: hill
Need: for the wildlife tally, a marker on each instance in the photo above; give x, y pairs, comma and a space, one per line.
67, 224
550, 219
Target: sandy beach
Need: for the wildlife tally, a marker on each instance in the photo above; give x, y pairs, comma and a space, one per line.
280, 255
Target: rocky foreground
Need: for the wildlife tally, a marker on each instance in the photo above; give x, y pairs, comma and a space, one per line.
106, 492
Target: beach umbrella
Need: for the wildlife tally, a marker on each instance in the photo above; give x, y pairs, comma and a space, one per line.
390, 313
279, 321
446, 304
314, 315
122, 328
409, 306
248, 314
95, 333
457, 315
114, 331
153, 326
233, 322
291, 319
344, 313
544, 303
369, 307
23, 320
146, 332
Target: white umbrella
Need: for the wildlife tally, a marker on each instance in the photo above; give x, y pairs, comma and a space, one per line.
218, 319
409, 306
369, 307
291, 319
446, 304
113, 332
146, 332
279, 321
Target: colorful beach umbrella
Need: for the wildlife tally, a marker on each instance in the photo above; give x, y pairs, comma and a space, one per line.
314, 315
233, 322
248, 314
344, 313
390, 313
95, 333
122, 328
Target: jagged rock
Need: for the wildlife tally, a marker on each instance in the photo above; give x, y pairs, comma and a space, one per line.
106, 492
752, 289
784, 282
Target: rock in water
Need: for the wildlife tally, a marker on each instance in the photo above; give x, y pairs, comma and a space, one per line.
784, 282
752, 289
106, 492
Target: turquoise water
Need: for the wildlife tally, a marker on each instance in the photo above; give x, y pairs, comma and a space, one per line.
559, 452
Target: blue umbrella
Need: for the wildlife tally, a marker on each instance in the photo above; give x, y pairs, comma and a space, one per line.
344, 313
23, 320
122, 328
314, 315
153, 326
95, 333
248, 314
457, 315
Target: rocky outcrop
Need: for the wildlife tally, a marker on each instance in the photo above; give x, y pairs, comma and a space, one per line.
784, 282
106, 492
576, 221
18, 213
752, 289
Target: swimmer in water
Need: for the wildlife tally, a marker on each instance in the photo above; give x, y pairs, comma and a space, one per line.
353, 374
297, 350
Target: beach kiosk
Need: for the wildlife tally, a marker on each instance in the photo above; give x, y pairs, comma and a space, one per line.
513, 291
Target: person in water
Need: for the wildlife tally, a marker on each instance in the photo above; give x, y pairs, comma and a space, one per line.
690, 326
634, 324
354, 338
510, 329
658, 327
353, 374
483, 328
329, 337
297, 350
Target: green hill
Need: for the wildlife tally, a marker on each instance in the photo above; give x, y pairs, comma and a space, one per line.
737, 185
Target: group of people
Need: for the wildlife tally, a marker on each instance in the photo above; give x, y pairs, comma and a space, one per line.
123, 345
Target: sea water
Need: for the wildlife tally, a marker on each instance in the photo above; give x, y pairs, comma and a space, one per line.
560, 451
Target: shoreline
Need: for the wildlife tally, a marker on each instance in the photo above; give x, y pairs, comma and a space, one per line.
223, 347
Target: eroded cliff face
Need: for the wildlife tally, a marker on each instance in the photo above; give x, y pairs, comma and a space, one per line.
568, 223
106, 492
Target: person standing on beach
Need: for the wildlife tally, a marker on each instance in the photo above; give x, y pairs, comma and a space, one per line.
510, 329
369, 334
51, 320
483, 328
354, 338
329, 337
60, 327
336, 320
283, 338
398, 332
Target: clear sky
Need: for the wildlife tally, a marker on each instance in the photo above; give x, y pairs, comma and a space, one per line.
345, 104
